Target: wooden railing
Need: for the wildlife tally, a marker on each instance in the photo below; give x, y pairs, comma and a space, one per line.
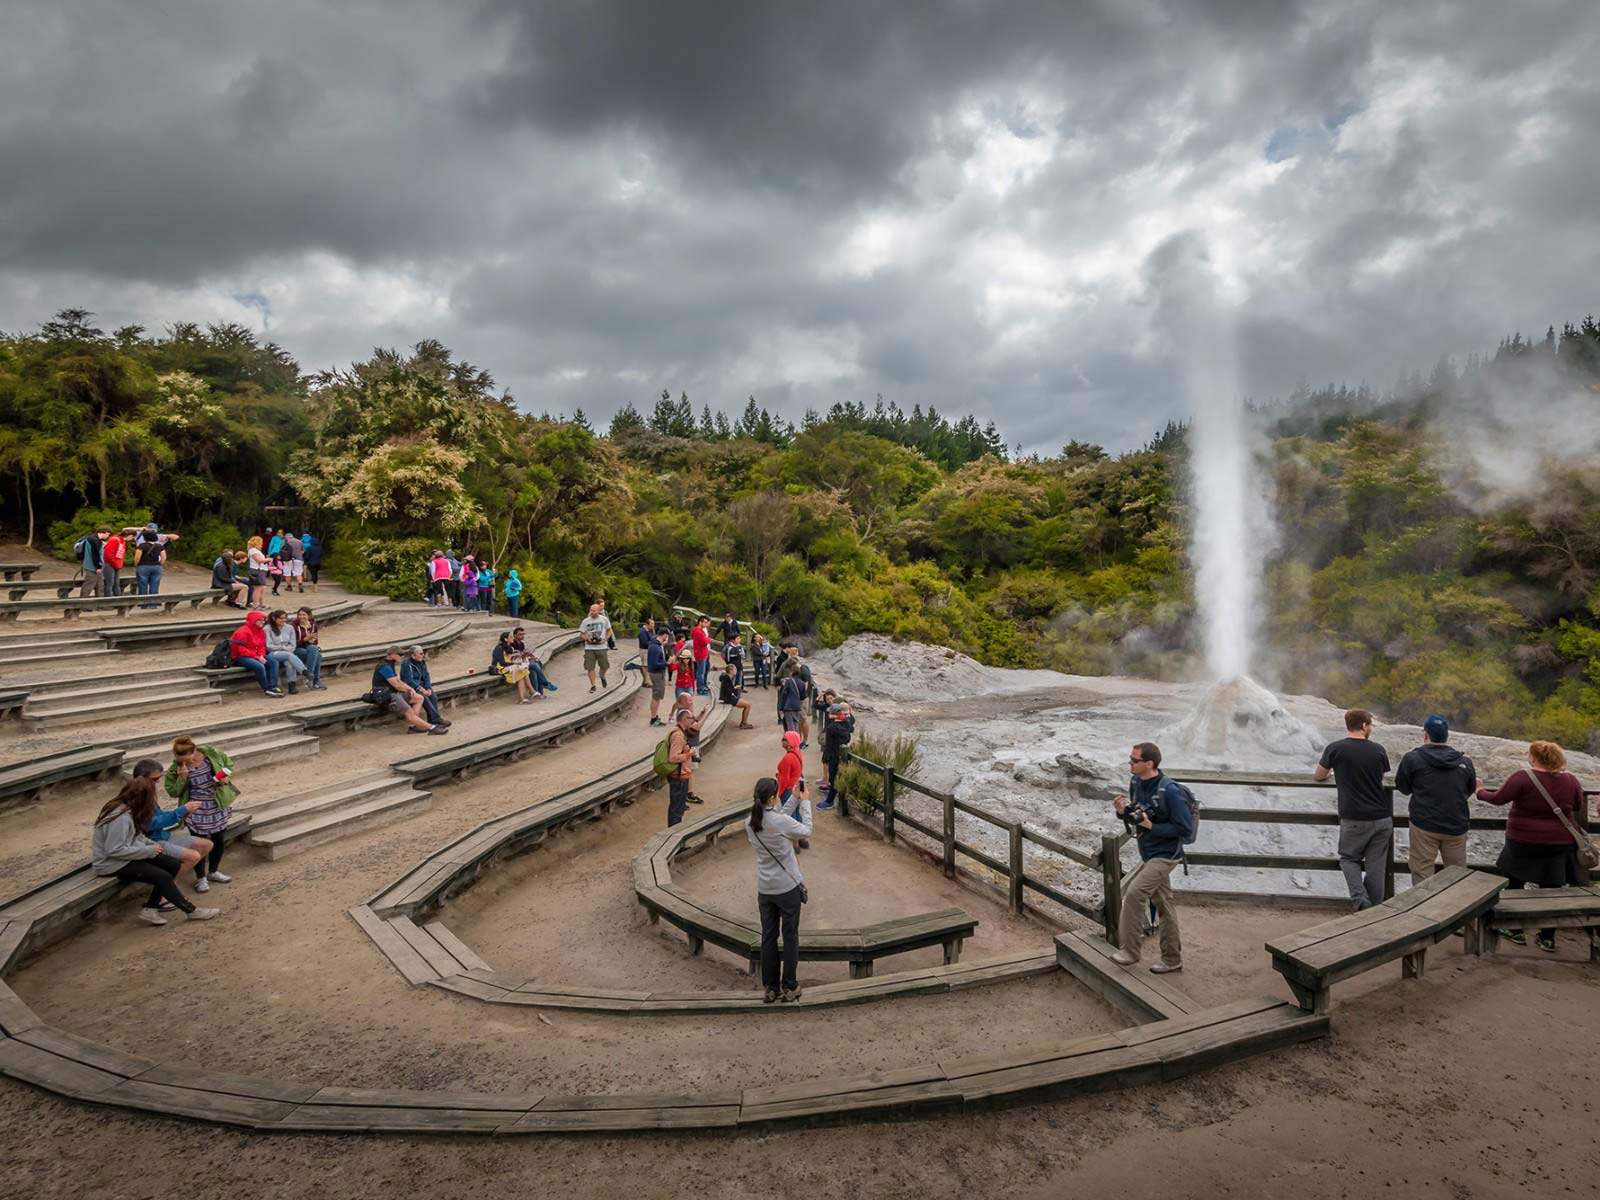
1106, 859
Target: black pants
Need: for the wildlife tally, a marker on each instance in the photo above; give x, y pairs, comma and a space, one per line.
677, 800
160, 873
313, 570
775, 909
213, 860
1516, 885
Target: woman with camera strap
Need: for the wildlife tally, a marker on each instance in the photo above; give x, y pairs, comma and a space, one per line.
780, 890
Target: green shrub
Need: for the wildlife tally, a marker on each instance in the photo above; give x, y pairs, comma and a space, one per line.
395, 567
62, 534
202, 541
862, 786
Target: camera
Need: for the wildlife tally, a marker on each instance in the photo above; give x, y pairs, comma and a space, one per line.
1132, 814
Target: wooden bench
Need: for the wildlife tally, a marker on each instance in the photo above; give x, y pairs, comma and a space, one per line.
212, 628
11, 702
55, 910
1403, 928
860, 946
122, 605
18, 589
25, 569
1546, 908
26, 781
339, 658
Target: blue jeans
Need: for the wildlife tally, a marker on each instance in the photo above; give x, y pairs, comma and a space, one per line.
702, 670
266, 673
514, 606
148, 581
312, 657
281, 661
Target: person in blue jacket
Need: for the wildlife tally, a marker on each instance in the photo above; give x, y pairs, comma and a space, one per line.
414, 674
513, 590
1157, 810
312, 556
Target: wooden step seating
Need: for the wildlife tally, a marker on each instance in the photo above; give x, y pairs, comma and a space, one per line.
206, 631
250, 741
24, 782
122, 605
75, 1067
284, 824
93, 696
860, 946
12, 701
1546, 908
1314, 959
24, 570
55, 910
1132, 990
55, 647
448, 692
337, 659
465, 758
21, 589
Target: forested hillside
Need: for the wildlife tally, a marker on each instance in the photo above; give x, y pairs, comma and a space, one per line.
1431, 557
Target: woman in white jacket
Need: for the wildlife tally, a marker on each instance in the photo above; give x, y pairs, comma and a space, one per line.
780, 890
119, 847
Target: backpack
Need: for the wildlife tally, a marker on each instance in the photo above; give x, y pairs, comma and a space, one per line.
1194, 816
220, 656
661, 762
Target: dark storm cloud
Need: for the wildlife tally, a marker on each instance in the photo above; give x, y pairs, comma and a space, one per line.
957, 202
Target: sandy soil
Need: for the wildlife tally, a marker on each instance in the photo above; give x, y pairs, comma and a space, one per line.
1478, 1081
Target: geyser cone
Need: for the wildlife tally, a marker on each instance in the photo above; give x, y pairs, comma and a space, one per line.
1239, 724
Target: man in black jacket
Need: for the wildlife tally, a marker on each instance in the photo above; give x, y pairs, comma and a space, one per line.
1439, 779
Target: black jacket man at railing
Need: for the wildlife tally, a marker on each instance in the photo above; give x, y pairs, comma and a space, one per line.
1440, 780
1157, 811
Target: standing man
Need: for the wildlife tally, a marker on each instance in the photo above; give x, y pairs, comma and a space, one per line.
1439, 779
1366, 814
1157, 810
681, 752
647, 634
91, 549
791, 701
700, 640
595, 630
658, 657
729, 629
112, 556
294, 563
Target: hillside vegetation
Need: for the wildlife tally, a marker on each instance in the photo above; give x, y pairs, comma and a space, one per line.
1420, 567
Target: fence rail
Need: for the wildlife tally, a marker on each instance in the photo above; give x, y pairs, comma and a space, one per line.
1106, 860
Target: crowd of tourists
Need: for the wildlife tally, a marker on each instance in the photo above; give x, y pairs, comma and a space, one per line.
469, 582
102, 554
275, 558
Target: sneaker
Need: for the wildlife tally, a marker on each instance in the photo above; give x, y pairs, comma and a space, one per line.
293, 688
805, 745
219, 877
693, 799
654, 721
274, 693
438, 724
409, 729
318, 687
1515, 936
1123, 959
790, 995
1165, 968
771, 997
439, 729
604, 682
1547, 944
529, 699
825, 805
202, 884
204, 914
593, 689
151, 917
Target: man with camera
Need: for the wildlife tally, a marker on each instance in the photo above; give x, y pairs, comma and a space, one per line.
1157, 813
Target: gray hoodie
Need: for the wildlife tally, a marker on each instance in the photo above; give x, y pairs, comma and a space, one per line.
279, 639
117, 843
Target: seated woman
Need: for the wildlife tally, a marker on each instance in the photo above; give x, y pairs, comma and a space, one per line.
732, 693
167, 828
512, 667
280, 639
308, 646
541, 681
119, 847
1539, 850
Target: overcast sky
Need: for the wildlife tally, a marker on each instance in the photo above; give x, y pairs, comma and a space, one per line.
956, 203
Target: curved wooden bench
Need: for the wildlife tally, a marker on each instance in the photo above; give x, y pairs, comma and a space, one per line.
1546, 908
26, 569
337, 659
456, 689
1314, 959
195, 632
22, 782
18, 589
122, 605
860, 946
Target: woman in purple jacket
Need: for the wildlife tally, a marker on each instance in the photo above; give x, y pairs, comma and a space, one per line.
1538, 849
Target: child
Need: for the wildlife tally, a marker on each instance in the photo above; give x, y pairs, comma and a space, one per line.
275, 572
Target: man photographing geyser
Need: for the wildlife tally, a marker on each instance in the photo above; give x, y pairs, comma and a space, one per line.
1157, 811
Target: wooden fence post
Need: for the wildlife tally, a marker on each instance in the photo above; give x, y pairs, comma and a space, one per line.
1111, 877
888, 803
1015, 874
949, 836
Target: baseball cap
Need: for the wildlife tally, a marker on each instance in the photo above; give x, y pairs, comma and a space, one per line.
1437, 728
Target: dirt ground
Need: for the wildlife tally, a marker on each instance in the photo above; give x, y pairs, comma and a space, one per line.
1480, 1080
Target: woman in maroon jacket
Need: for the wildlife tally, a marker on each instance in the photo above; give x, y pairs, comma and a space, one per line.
1538, 848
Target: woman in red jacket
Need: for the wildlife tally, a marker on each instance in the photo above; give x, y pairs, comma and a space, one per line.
1538, 848
247, 646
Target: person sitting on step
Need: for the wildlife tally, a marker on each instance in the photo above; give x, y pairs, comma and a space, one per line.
119, 848
414, 670
281, 646
399, 697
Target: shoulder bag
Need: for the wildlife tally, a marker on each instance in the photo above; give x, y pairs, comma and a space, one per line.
1588, 854
804, 895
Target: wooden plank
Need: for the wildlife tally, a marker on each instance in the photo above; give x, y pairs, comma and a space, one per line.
1294, 943
475, 988
1079, 1074
15, 1016
12, 935
64, 1076
349, 1118
394, 947
621, 1120
408, 1098
1242, 1038
226, 1083
1354, 951
82, 1050
439, 960
1050, 1051
458, 949
1134, 991
496, 979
